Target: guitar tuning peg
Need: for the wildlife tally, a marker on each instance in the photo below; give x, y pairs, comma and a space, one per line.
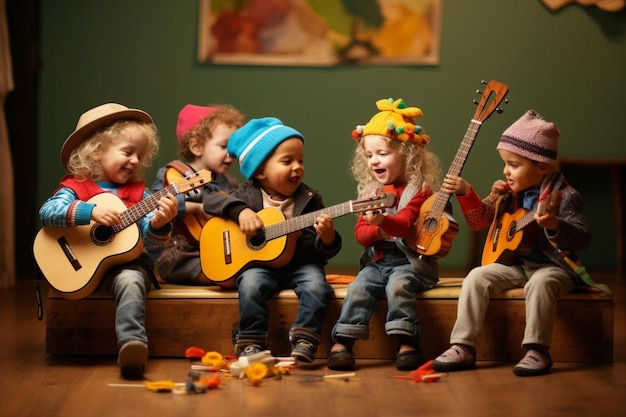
475, 101
506, 101
483, 82
478, 91
499, 110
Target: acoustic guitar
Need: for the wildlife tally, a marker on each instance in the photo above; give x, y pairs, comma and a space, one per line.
191, 224
435, 228
225, 251
74, 259
514, 234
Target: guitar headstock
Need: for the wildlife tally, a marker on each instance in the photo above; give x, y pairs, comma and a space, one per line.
380, 201
193, 181
491, 98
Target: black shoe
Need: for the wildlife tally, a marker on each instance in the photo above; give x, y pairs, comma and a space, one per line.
341, 360
409, 360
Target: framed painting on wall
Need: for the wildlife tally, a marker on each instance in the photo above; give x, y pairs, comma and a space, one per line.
319, 32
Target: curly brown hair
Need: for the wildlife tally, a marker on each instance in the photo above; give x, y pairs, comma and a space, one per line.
202, 132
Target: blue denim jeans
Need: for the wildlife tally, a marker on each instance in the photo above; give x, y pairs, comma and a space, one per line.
256, 285
129, 287
394, 277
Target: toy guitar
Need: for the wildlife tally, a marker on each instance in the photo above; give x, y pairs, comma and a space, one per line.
74, 259
435, 228
190, 225
510, 235
513, 234
225, 251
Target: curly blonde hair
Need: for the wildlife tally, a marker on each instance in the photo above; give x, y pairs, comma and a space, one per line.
202, 132
422, 168
83, 162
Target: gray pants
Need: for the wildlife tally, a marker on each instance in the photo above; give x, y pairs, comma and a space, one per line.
543, 284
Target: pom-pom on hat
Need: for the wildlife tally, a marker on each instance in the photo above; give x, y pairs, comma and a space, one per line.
531, 136
189, 117
96, 118
253, 142
396, 121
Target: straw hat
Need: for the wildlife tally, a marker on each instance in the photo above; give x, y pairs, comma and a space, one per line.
96, 118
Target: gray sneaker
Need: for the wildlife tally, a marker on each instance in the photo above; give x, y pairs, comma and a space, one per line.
456, 358
303, 351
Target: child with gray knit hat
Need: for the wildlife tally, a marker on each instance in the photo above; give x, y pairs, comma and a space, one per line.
536, 194
271, 157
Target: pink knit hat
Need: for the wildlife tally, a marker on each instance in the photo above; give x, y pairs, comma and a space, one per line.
189, 117
532, 137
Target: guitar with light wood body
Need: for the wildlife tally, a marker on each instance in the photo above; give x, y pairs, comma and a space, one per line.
435, 228
73, 260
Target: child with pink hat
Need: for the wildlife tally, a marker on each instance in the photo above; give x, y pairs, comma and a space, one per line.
539, 264
202, 134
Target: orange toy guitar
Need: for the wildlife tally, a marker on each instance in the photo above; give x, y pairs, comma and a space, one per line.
513, 234
190, 225
74, 259
435, 228
225, 251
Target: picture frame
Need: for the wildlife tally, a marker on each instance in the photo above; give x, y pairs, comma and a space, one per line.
319, 32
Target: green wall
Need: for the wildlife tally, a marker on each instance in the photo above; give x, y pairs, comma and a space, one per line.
569, 65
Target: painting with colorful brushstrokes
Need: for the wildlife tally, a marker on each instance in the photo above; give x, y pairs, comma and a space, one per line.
319, 32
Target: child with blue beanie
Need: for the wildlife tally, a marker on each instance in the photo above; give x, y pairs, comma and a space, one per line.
271, 157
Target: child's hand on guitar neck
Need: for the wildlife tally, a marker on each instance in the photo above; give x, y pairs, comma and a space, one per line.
325, 229
453, 184
166, 212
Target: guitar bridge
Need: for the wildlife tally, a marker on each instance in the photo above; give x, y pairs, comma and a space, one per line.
228, 251
65, 247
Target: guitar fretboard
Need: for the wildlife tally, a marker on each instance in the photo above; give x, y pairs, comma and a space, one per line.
525, 220
145, 206
456, 167
306, 220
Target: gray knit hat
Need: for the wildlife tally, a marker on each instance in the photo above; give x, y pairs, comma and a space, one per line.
532, 137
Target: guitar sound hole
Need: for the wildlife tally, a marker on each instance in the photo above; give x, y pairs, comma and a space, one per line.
511, 232
257, 241
102, 235
431, 224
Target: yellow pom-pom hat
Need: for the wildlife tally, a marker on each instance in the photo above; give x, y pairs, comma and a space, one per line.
395, 121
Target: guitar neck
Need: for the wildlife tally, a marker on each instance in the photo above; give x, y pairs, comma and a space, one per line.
525, 220
306, 220
457, 165
145, 206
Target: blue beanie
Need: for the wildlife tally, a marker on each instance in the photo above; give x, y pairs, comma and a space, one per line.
253, 142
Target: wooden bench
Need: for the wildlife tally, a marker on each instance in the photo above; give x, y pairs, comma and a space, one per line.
178, 317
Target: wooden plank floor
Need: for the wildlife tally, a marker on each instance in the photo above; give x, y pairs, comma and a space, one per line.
33, 384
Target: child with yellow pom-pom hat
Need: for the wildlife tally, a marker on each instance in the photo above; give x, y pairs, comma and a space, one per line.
391, 152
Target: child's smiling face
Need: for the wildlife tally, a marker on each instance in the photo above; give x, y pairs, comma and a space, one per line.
283, 171
121, 159
386, 163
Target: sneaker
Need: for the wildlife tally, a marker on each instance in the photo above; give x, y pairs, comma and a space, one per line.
251, 349
532, 364
456, 358
132, 358
303, 351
